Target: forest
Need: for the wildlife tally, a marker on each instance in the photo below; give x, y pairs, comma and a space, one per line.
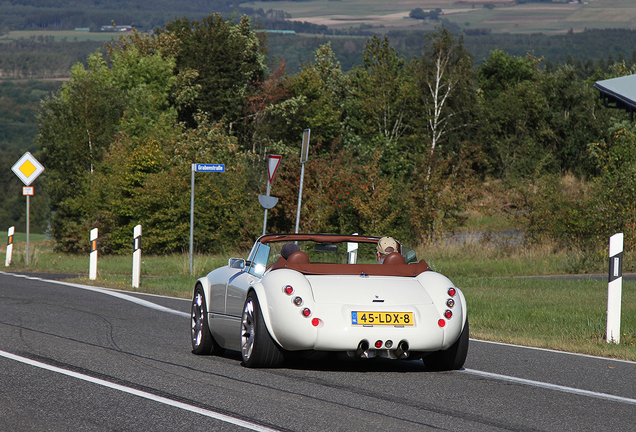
401, 144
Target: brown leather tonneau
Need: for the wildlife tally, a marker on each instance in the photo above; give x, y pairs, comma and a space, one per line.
406, 270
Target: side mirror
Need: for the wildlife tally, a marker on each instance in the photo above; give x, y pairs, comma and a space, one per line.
236, 263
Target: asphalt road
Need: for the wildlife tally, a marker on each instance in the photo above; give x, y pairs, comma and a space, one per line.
79, 358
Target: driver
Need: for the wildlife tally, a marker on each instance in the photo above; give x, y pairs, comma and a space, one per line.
386, 245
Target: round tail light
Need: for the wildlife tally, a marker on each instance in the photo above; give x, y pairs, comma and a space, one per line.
378, 344
288, 289
306, 312
452, 291
315, 322
441, 323
448, 314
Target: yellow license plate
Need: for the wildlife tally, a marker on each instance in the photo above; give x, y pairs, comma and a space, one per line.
382, 318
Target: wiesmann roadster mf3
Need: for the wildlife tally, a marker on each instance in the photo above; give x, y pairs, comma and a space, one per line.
330, 295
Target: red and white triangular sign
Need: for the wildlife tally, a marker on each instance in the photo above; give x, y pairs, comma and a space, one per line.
273, 162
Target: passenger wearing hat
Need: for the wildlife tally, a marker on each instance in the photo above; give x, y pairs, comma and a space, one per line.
386, 245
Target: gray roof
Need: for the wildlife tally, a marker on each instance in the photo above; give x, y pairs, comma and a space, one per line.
618, 92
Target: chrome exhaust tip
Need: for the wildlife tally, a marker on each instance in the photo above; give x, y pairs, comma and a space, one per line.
362, 347
402, 349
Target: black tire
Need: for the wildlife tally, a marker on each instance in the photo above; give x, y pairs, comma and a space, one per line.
202, 341
258, 349
452, 358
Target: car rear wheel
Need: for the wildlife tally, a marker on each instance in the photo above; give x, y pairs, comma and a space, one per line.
202, 340
258, 349
452, 358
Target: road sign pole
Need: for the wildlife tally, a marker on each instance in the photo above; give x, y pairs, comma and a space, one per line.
273, 162
197, 167
27, 168
300, 196
304, 155
269, 186
27, 230
192, 216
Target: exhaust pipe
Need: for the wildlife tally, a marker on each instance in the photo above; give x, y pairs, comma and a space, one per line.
402, 348
362, 347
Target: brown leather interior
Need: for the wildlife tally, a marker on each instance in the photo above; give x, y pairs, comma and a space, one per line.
406, 270
299, 261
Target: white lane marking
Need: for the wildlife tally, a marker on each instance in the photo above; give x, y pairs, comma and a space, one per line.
207, 413
548, 386
109, 292
555, 351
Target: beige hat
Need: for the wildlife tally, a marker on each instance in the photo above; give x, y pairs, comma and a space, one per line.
386, 245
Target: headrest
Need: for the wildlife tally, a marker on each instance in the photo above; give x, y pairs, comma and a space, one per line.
394, 258
298, 257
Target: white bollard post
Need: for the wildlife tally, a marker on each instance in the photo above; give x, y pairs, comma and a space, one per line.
136, 272
92, 273
7, 261
614, 288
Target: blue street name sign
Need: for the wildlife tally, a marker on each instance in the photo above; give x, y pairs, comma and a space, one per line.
209, 167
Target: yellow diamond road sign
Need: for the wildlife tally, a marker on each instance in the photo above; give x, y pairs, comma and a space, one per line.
27, 168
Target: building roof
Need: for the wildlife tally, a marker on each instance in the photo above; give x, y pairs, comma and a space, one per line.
618, 92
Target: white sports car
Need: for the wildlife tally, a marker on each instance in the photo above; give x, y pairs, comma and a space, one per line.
330, 295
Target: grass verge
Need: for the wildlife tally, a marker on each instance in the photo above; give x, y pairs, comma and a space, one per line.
560, 314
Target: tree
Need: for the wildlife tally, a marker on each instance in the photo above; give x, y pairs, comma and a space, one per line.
383, 90
444, 68
229, 59
500, 71
76, 127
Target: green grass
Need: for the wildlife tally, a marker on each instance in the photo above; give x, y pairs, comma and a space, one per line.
565, 315
494, 256
164, 275
504, 304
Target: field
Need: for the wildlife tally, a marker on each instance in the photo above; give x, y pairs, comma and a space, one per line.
468, 14
59, 35
507, 301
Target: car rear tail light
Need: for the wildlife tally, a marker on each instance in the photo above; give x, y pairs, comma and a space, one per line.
288, 289
450, 303
315, 322
378, 344
452, 291
298, 301
441, 323
448, 314
388, 343
306, 312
